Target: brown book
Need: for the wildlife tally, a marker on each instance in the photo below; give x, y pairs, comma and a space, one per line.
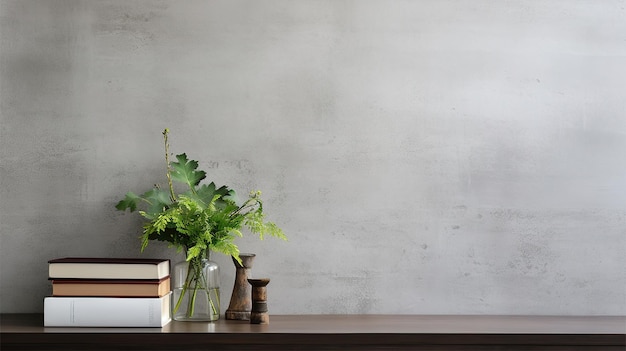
110, 287
108, 268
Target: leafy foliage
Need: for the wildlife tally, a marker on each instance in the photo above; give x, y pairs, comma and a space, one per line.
201, 218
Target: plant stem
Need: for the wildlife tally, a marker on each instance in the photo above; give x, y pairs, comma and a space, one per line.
197, 273
186, 284
167, 162
245, 205
205, 284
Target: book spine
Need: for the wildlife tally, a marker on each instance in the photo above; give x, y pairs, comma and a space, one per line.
107, 271
106, 312
110, 288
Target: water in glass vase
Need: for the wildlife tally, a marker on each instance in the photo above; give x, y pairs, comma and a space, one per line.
196, 293
204, 308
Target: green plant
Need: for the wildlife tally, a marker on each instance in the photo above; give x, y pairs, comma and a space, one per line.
201, 218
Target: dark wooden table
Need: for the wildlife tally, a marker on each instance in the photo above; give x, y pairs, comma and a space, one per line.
330, 332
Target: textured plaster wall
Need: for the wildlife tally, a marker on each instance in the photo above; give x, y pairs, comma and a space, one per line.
441, 156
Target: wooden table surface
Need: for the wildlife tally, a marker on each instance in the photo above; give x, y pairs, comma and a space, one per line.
331, 332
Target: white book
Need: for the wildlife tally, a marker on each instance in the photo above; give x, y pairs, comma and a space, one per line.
107, 311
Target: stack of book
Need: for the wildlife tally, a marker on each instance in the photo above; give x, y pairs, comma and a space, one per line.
108, 292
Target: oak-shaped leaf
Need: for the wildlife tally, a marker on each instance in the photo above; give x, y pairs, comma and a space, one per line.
184, 171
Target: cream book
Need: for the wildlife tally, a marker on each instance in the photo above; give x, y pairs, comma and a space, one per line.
106, 311
108, 268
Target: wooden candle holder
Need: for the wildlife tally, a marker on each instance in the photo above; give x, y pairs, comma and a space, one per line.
259, 314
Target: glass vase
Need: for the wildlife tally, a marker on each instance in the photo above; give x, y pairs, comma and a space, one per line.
196, 292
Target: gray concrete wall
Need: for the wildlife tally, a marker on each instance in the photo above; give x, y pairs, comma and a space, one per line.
423, 156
